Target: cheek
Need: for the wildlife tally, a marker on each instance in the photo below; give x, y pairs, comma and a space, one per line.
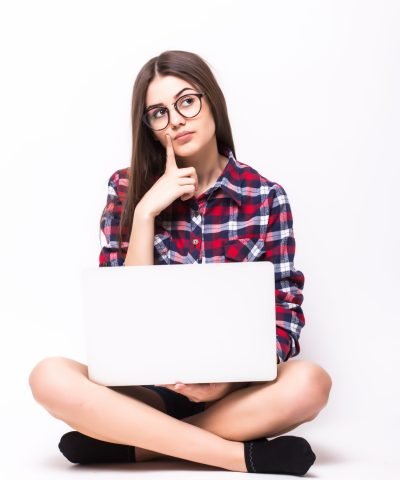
210, 124
158, 138
209, 128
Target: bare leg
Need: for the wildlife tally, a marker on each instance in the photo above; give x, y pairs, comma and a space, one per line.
62, 386
265, 409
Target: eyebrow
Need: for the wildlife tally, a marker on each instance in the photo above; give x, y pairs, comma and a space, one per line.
175, 97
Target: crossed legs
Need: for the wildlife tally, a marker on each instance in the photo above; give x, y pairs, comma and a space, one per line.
264, 409
213, 437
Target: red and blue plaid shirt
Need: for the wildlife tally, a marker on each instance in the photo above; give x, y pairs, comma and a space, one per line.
243, 217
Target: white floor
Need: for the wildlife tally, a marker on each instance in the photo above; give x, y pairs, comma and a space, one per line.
344, 451
329, 73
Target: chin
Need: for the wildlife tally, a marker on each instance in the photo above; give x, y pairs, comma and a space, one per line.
187, 150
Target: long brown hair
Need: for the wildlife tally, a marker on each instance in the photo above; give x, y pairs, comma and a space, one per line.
148, 155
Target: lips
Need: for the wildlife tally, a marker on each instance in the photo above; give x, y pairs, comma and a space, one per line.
181, 134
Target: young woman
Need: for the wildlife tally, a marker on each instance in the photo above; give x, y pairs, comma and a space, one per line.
187, 199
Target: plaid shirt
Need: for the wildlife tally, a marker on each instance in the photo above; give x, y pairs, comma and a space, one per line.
243, 217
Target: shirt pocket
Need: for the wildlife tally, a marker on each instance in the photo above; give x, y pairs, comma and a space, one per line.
244, 249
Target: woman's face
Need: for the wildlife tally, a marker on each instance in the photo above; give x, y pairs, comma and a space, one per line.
166, 90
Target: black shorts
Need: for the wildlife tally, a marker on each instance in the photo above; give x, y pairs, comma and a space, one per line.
178, 406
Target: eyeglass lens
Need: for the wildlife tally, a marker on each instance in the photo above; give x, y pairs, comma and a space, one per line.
188, 106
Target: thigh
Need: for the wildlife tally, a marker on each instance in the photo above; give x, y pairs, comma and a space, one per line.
291, 371
282, 369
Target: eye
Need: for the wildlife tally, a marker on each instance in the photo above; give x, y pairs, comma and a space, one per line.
189, 99
157, 112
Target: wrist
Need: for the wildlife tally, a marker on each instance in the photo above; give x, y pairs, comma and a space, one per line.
142, 215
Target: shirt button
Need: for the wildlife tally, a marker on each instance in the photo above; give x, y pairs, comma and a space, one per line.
195, 241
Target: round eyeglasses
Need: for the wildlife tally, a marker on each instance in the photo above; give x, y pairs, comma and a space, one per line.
189, 105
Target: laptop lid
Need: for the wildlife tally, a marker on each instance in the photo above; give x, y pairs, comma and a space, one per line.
193, 323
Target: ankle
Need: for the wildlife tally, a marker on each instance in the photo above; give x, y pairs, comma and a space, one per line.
237, 462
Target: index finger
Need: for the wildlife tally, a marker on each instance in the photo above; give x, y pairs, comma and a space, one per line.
171, 162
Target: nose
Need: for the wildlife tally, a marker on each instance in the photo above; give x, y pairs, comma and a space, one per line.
175, 118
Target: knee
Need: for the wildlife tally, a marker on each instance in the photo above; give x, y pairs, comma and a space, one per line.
45, 380
50, 384
312, 389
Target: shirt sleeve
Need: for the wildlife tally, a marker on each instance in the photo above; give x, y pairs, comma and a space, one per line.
289, 282
109, 228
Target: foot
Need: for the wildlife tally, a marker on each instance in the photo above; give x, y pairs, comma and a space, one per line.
286, 454
79, 448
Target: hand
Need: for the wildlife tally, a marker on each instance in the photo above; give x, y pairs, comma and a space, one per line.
173, 183
201, 392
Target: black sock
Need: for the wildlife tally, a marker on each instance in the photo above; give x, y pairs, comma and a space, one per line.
79, 448
287, 454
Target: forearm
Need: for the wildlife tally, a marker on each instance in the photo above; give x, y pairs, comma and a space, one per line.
141, 243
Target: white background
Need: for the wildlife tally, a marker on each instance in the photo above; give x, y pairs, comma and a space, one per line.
312, 89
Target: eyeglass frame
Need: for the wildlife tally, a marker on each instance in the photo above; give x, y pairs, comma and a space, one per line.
200, 95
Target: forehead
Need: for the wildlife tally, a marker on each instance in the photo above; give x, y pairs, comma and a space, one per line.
163, 89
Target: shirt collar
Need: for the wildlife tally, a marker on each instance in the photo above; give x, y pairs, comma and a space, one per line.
230, 180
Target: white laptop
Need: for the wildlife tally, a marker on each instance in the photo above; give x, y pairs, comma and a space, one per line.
190, 323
